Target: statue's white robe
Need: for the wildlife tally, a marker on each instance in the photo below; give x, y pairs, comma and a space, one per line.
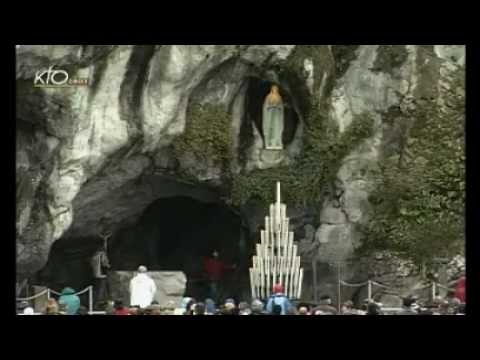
142, 290
273, 125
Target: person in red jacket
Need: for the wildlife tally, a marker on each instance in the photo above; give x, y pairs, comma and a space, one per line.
215, 269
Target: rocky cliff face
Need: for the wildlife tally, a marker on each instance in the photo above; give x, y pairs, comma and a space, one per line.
107, 150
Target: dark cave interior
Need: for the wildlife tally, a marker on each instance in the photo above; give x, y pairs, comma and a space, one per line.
172, 234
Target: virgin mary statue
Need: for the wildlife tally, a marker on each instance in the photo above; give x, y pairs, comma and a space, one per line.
273, 120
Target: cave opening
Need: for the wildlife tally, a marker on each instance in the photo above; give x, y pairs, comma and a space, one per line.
172, 234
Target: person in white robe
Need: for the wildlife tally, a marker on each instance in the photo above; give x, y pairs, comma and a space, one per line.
142, 289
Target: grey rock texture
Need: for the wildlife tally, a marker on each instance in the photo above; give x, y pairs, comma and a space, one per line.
94, 140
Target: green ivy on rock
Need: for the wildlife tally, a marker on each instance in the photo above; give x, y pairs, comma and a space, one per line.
418, 205
207, 135
305, 181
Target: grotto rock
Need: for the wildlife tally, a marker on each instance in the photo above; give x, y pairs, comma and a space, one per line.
171, 285
105, 151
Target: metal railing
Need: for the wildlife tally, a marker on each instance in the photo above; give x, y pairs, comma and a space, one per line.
49, 292
370, 283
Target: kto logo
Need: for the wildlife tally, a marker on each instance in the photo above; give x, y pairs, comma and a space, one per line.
56, 78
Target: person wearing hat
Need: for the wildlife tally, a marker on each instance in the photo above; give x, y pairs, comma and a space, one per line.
28, 311
142, 289
70, 300
278, 302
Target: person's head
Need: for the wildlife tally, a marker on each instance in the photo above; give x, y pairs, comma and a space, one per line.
68, 291
274, 89
28, 311
408, 302
215, 253
257, 306
364, 307
52, 307
443, 308
23, 305
244, 308
278, 289
373, 309
155, 310
210, 306
437, 301
347, 306
142, 269
185, 302
229, 308
109, 307
134, 310
325, 300
302, 310
118, 304
199, 309
62, 309
190, 306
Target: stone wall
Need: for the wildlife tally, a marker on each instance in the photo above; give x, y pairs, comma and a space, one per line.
170, 285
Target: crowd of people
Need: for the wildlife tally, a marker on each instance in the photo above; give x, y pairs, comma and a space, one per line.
276, 304
143, 290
